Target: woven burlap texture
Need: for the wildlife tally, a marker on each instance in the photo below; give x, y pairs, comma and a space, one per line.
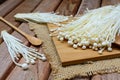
62, 73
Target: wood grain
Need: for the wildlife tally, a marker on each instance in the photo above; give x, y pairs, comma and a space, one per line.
80, 78
110, 2
90, 4
97, 77
68, 7
30, 74
6, 7
48, 5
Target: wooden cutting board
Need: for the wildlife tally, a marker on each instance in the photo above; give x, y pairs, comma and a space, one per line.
69, 55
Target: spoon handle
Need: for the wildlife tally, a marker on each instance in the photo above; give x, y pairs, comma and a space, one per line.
14, 27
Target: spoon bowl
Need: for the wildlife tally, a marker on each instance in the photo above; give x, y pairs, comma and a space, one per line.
34, 41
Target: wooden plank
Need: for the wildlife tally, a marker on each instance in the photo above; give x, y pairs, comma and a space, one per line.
68, 7
43, 70
6, 7
96, 77
112, 76
48, 5
90, 4
110, 2
30, 74
80, 78
50, 77
41, 67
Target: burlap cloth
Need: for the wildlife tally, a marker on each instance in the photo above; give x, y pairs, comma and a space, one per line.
62, 73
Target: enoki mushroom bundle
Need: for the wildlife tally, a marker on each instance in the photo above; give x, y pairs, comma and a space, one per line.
41, 17
17, 49
95, 29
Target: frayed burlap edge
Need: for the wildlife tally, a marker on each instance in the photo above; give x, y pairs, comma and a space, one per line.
62, 73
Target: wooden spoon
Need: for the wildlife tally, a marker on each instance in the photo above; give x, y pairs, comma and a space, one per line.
31, 39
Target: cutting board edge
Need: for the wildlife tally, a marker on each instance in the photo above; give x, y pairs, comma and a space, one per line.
66, 63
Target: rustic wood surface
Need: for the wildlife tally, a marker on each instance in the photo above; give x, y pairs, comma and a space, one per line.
41, 70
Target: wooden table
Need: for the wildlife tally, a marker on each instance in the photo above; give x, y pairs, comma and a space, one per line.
41, 70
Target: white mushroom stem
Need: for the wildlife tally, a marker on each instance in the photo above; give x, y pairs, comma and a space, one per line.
42, 17
16, 48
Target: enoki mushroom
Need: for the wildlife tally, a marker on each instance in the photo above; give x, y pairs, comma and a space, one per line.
96, 29
42, 17
16, 49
